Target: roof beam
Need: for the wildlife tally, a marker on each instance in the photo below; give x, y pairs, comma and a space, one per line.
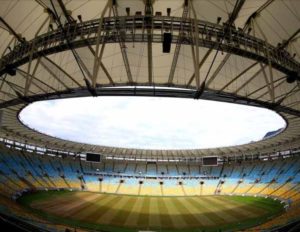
69, 18
29, 76
17, 90
60, 69
82, 67
232, 17
98, 57
54, 76
60, 44
195, 50
57, 10
236, 10
109, 77
284, 96
249, 80
8, 94
6, 26
238, 76
286, 42
178, 44
248, 22
218, 69
282, 79
276, 86
122, 45
271, 87
293, 104
200, 65
149, 14
257, 12
77, 58
24, 74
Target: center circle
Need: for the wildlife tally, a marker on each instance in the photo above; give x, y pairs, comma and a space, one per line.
151, 123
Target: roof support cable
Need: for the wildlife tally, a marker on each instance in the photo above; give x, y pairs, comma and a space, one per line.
92, 91
36, 82
238, 76
121, 40
279, 83
179, 42
29, 75
271, 88
281, 80
6, 26
195, 51
17, 92
284, 96
10, 69
281, 46
246, 26
230, 21
98, 57
149, 26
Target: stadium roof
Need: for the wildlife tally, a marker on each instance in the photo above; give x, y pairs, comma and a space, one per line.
236, 51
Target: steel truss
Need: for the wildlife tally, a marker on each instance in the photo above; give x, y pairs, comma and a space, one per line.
210, 35
130, 29
155, 92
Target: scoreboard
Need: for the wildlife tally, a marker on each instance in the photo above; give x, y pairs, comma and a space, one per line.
93, 157
210, 161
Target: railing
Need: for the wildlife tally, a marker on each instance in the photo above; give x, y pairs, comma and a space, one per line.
151, 177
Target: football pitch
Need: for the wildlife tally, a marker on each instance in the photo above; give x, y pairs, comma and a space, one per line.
110, 212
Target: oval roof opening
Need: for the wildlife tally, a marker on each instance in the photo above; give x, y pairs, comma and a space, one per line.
152, 123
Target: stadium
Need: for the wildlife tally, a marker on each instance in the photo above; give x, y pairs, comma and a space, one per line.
236, 52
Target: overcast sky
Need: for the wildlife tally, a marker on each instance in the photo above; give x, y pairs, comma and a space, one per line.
151, 123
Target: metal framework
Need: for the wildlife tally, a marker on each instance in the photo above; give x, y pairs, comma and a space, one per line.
265, 76
234, 41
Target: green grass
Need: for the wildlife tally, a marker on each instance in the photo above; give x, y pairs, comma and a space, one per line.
115, 213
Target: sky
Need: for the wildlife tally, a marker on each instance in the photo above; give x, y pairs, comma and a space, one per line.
150, 123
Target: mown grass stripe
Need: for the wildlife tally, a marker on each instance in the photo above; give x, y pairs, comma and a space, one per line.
92, 208
178, 221
187, 214
132, 217
207, 210
154, 217
264, 203
164, 215
143, 215
78, 205
97, 209
244, 208
160, 213
238, 210
48, 202
121, 217
44, 195
115, 206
